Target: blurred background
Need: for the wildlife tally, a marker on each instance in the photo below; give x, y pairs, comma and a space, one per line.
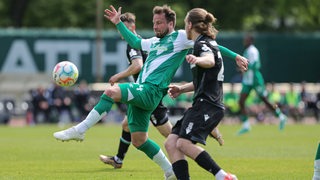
37, 34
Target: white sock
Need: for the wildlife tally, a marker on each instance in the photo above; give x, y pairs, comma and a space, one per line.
92, 119
163, 162
316, 174
220, 175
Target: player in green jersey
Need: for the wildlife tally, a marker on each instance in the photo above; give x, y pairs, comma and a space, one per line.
253, 80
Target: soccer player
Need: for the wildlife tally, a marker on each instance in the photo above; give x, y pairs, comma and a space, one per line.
253, 80
159, 117
316, 174
207, 109
166, 52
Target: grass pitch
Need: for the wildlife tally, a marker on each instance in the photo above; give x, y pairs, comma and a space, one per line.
265, 153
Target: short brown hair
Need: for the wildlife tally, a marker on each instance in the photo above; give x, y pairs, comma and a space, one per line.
169, 13
202, 22
128, 17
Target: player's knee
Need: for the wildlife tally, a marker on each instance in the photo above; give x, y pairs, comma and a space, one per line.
138, 139
165, 129
170, 144
113, 92
125, 126
180, 145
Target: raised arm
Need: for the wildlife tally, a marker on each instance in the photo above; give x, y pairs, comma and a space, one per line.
241, 61
114, 16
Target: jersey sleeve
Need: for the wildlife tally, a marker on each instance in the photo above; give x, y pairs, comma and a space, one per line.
131, 38
146, 43
185, 41
134, 53
227, 52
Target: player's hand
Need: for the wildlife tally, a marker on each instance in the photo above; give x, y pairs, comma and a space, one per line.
242, 63
217, 136
112, 14
174, 91
113, 79
191, 59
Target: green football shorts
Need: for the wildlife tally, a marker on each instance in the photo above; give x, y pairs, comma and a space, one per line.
142, 99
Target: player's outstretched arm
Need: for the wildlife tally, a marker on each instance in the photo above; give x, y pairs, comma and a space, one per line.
241, 61
134, 68
114, 16
175, 90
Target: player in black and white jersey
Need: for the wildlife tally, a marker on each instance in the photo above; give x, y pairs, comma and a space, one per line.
207, 109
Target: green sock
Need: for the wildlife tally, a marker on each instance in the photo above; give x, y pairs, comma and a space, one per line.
150, 148
104, 104
243, 118
277, 112
318, 153
153, 151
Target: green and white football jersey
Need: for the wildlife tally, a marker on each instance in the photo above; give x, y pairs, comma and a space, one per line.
253, 56
165, 57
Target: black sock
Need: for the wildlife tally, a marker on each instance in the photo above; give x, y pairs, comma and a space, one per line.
206, 162
124, 144
181, 170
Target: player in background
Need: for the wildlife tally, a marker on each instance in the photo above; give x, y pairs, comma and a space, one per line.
207, 109
159, 117
166, 52
253, 80
316, 173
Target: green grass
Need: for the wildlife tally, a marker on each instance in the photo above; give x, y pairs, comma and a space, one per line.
264, 153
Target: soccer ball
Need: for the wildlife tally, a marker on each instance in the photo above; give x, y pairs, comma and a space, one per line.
65, 73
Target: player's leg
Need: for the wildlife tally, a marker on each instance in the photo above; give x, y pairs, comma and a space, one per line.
160, 119
262, 93
316, 174
201, 128
177, 158
243, 111
124, 143
203, 159
139, 137
110, 95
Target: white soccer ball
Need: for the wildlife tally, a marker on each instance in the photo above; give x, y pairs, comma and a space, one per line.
65, 73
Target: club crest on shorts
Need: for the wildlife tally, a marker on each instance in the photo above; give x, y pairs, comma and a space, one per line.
189, 128
206, 117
